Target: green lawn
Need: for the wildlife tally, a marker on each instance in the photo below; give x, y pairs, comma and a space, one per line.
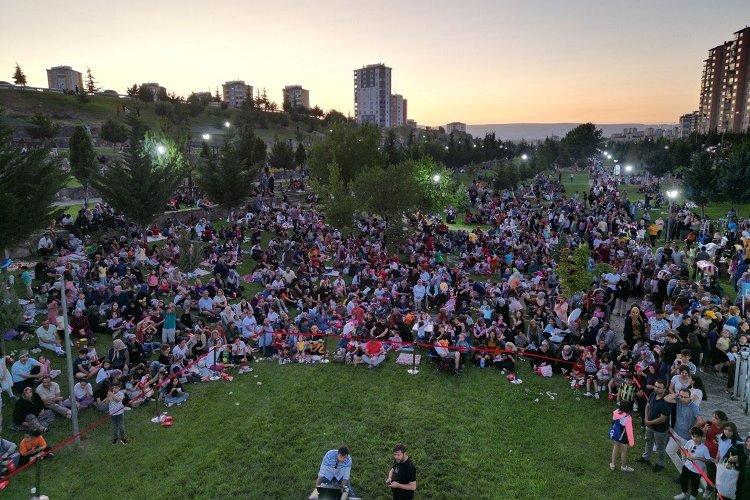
471, 437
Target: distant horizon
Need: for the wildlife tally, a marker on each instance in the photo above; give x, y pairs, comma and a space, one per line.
485, 61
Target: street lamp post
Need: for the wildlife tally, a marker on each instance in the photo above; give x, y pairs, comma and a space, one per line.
524, 157
671, 194
69, 360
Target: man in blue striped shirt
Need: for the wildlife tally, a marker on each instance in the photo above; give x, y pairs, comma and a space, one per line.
335, 469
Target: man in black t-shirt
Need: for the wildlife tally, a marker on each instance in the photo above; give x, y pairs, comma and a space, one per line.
402, 478
657, 415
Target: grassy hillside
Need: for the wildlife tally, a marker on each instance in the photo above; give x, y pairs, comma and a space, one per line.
67, 110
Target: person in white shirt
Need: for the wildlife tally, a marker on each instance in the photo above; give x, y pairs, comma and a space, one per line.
249, 325
47, 335
50, 394
420, 291
45, 245
696, 456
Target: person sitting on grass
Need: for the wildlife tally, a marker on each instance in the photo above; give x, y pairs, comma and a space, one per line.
30, 413
374, 353
52, 398
26, 372
48, 339
83, 368
173, 393
32, 447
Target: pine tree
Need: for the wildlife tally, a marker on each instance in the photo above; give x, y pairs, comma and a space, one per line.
224, 178
29, 182
300, 156
19, 78
282, 155
217, 96
83, 164
91, 87
133, 91
140, 184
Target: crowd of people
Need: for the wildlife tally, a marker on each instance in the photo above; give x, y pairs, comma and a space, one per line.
486, 298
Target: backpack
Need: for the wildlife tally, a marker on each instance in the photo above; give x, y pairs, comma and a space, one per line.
617, 432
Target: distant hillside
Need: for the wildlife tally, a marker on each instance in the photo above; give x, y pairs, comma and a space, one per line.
66, 110
534, 131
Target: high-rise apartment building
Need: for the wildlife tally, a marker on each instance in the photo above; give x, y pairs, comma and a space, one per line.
372, 95
398, 110
725, 87
236, 92
296, 96
688, 124
64, 78
455, 127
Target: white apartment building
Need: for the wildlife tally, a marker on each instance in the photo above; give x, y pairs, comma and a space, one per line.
64, 78
236, 92
372, 95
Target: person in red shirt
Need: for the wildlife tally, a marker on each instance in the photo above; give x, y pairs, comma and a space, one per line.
374, 353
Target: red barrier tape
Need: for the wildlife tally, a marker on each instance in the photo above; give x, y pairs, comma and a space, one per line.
700, 471
520, 352
99, 422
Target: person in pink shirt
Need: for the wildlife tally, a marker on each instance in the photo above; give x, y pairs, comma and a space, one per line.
621, 434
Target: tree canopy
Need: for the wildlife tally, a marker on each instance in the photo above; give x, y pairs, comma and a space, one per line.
19, 77
582, 142
83, 163
140, 184
29, 182
352, 147
225, 177
700, 180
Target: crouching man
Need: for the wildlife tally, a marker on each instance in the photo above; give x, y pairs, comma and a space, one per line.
334, 471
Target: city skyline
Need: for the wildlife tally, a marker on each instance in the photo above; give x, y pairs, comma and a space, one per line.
479, 62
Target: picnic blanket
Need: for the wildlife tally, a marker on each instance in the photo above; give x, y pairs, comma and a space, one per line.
405, 359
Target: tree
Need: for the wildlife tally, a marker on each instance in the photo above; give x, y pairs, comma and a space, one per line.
573, 270
337, 203
582, 142
660, 162
700, 180
133, 91
735, 172
224, 178
145, 94
114, 131
141, 183
190, 252
83, 163
300, 155
91, 87
353, 148
392, 149
42, 127
391, 193
282, 155
29, 182
19, 78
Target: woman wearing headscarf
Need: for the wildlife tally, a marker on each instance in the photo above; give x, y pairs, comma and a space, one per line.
119, 356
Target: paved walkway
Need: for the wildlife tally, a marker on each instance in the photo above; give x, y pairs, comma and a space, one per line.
70, 203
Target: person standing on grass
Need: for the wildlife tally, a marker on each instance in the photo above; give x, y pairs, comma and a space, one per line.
696, 456
658, 412
621, 434
402, 478
115, 397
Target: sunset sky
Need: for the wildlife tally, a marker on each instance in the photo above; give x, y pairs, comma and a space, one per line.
476, 61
